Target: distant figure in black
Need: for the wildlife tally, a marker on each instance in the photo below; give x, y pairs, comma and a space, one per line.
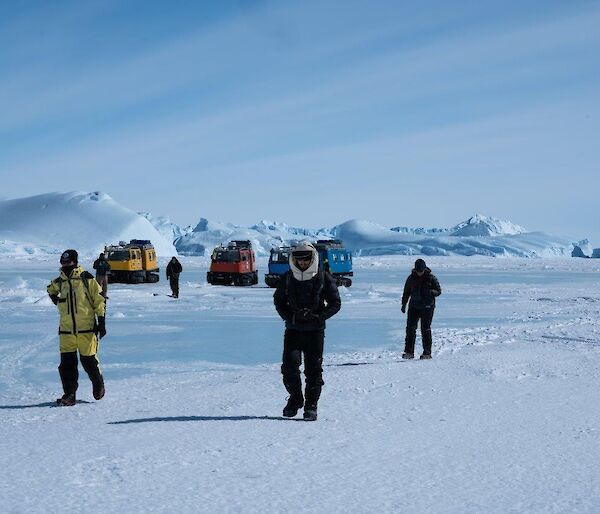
421, 288
102, 268
305, 297
173, 270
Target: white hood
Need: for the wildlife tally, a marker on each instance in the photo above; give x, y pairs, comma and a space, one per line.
313, 269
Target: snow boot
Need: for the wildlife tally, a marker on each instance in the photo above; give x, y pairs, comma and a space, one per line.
310, 413
98, 390
425, 356
293, 404
407, 355
67, 400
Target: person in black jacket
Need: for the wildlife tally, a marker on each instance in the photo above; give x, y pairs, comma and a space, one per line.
102, 268
422, 287
173, 270
305, 297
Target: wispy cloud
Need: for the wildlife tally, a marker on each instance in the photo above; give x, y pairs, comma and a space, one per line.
296, 96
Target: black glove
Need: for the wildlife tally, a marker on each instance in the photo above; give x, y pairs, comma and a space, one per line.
403, 309
306, 315
101, 326
54, 298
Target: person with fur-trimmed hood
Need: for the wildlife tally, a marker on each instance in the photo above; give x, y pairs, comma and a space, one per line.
305, 297
79, 300
422, 288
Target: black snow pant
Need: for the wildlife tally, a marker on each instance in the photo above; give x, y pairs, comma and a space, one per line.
296, 343
414, 315
174, 283
69, 374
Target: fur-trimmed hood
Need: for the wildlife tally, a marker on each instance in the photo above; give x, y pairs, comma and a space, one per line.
313, 269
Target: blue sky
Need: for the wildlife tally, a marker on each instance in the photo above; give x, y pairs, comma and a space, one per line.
403, 113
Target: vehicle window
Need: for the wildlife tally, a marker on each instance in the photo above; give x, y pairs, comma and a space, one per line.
226, 256
280, 257
118, 255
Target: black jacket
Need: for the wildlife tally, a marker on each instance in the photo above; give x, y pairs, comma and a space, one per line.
305, 305
174, 269
101, 266
422, 291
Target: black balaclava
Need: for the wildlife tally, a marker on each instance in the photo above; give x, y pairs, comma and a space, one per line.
68, 261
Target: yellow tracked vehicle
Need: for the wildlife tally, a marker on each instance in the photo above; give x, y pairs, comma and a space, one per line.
132, 263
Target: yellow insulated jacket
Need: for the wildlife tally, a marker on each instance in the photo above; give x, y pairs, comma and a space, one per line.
79, 301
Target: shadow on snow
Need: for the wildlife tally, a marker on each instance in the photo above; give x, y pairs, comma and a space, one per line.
204, 418
45, 404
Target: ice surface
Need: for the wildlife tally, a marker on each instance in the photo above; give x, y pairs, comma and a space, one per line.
503, 419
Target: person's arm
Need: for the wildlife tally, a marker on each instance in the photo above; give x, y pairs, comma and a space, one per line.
331, 296
99, 305
53, 291
406, 294
436, 289
281, 300
97, 300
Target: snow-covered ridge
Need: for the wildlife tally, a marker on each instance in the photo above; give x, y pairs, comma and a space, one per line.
51, 222
48, 223
479, 235
264, 236
478, 225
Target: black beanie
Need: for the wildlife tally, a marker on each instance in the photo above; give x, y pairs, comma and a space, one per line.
69, 256
420, 265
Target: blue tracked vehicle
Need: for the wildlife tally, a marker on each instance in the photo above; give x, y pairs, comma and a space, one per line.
279, 265
333, 257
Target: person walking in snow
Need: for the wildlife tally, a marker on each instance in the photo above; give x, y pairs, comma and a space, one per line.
174, 268
422, 288
102, 268
305, 297
79, 300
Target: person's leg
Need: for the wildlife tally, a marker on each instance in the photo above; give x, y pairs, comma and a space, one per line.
88, 355
176, 294
313, 366
412, 319
172, 284
426, 319
90, 364
69, 374
104, 285
290, 369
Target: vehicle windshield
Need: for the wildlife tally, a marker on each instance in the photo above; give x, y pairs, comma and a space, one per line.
280, 257
118, 255
226, 256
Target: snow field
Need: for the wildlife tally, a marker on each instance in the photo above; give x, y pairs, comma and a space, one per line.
503, 419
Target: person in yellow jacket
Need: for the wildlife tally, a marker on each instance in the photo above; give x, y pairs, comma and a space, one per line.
79, 300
